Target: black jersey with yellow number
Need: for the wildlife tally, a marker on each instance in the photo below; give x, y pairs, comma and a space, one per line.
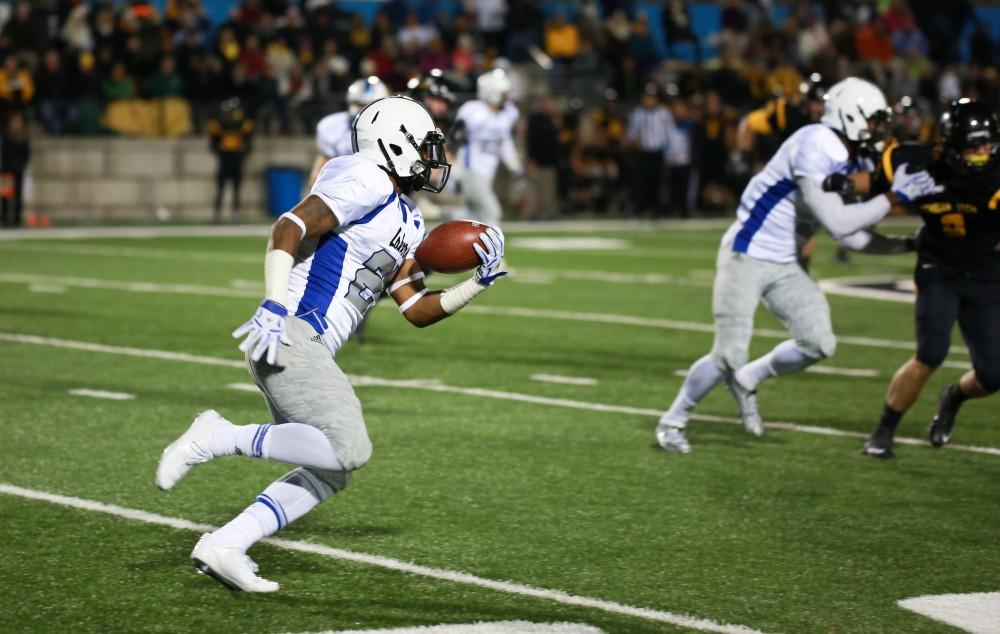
962, 223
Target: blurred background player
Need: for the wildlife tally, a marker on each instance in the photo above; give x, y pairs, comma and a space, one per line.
957, 275
231, 133
757, 256
327, 261
484, 129
333, 132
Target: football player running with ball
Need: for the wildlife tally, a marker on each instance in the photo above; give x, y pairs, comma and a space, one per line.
327, 261
958, 269
757, 256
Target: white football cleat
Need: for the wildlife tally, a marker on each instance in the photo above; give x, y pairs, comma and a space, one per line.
229, 566
189, 450
671, 438
746, 400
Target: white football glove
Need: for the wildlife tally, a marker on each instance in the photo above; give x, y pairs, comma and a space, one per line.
912, 185
490, 258
265, 331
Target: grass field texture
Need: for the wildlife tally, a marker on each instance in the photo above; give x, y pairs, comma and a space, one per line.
494, 493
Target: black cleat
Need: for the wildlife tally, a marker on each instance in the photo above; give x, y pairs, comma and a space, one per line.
879, 444
940, 427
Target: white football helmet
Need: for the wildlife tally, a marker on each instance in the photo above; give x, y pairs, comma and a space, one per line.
398, 133
364, 91
857, 109
493, 87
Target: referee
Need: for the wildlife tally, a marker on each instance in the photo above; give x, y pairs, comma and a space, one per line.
650, 128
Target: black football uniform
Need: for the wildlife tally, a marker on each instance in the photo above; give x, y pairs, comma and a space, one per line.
957, 275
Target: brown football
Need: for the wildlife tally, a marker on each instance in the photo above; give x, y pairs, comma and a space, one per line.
448, 247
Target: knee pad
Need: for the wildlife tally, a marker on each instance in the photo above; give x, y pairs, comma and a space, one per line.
329, 482
310, 479
818, 346
729, 358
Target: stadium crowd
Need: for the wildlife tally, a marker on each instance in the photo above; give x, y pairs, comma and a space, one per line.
93, 68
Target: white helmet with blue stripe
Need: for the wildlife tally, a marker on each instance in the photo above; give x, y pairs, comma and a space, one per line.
364, 91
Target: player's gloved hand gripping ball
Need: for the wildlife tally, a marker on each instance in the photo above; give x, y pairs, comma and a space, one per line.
463, 245
264, 331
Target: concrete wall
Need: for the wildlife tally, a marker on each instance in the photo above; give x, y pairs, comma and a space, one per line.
125, 179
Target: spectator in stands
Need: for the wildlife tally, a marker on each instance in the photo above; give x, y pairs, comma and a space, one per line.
119, 85
642, 47
54, 106
908, 40
562, 39
713, 138
17, 88
15, 151
543, 153
24, 33
415, 35
874, 42
86, 91
650, 128
230, 134
491, 22
677, 27
679, 159
204, 89
166, 82
434, 56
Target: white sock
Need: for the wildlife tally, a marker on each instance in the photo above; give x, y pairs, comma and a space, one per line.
294, 443
230, 439
702, 376
284, 501
786, 358
301, 444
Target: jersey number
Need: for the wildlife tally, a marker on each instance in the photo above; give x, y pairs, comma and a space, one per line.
370, 279
953, 225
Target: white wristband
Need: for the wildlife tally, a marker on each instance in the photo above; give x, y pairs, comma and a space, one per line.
277, 271
456, 297
299, 221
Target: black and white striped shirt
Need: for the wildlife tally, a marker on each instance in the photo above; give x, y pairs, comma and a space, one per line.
651, 128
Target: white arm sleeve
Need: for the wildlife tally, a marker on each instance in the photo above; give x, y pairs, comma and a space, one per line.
857, 241
508, 154
840, 219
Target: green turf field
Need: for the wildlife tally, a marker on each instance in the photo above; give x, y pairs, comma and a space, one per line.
516, 499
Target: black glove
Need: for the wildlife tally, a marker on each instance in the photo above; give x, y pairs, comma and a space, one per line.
839, 184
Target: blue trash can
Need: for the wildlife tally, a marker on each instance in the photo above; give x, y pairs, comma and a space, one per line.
284, 188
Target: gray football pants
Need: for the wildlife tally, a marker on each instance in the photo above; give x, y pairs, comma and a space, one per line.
479, 197
741, 282
310, 388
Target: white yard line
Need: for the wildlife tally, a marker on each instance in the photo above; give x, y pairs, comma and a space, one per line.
864, 373
489, 627
511, 311
434, 386
111, 396
452, 576
976, 612
565, 380
251, 230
